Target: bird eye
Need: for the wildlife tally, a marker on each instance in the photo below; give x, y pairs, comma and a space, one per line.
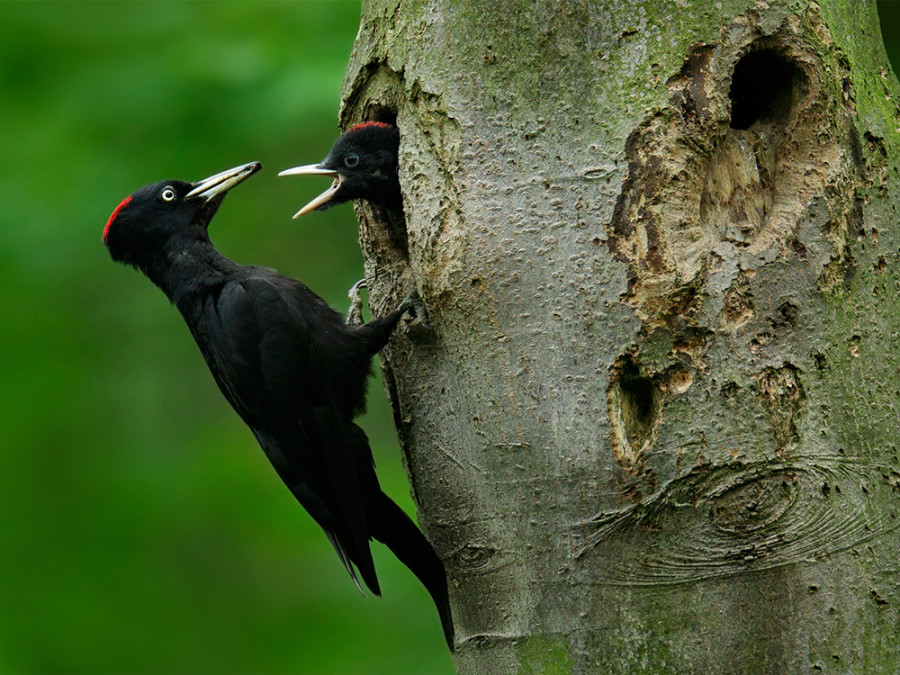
168, 194
351, 160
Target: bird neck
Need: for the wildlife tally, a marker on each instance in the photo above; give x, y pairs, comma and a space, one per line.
188, 268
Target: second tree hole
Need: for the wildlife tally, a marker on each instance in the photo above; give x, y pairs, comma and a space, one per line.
764, 88
638, 404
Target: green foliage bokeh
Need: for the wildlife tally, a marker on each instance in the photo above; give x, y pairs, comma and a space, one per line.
143, 530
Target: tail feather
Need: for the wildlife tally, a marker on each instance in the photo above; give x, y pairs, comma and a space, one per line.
390, 525
345, 559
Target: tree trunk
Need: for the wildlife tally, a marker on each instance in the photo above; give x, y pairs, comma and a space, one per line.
651, 423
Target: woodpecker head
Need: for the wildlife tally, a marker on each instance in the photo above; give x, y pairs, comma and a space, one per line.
143, 224
363, 164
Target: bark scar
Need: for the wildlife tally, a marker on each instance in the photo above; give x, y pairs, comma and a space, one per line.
723, 520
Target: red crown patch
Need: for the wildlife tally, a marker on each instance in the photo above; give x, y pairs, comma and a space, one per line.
369, 125
115, 213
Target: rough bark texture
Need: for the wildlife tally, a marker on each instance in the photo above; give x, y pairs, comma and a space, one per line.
653, 425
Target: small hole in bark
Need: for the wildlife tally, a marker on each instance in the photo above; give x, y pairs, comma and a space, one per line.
638, 399
634, 402
763, 88
798, 248
788, 312
820, 361
854, 345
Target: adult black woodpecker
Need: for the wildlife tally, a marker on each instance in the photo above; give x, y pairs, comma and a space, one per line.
363, 164
289, 365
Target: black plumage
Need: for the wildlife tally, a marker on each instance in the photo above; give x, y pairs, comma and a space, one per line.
290, 366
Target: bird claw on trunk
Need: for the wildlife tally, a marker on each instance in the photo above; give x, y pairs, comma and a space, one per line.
354, 313
413, 305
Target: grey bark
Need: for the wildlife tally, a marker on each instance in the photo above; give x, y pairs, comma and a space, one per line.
653, 424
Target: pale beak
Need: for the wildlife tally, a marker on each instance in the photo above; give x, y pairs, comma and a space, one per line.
315, 170
222, 182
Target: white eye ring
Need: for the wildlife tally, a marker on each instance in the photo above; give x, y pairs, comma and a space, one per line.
168, 194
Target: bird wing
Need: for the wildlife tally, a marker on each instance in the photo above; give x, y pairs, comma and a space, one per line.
264, 352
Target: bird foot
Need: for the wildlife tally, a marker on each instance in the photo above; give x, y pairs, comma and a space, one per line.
354, 314
413, 305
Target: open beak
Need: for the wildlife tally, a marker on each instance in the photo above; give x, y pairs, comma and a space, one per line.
315, 170
223, 182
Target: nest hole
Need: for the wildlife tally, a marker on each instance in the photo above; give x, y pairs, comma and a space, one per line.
391, 222
636, 398
764, 88
381, 113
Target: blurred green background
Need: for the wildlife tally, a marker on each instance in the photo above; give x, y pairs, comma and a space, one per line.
142, 529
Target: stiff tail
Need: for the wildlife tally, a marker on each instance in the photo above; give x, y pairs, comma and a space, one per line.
393, 528
366, 566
